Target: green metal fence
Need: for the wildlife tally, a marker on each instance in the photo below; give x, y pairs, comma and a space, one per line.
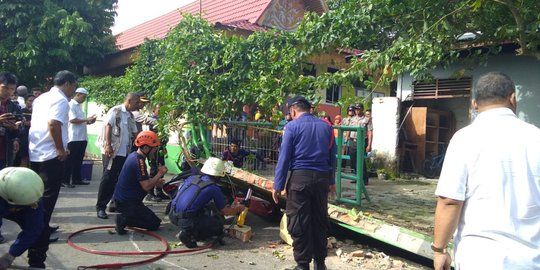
264, 139
360, 188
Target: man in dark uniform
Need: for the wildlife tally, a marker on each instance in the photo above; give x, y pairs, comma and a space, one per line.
192, 204
237, 155
134, 183
360, 120
309, 152
20, 193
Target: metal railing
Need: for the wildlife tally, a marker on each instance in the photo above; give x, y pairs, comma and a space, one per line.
263, 140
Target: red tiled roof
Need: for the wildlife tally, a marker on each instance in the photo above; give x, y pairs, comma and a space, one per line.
236, 13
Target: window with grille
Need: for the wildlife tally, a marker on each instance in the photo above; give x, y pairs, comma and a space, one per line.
333, 93
361, 90
443, 88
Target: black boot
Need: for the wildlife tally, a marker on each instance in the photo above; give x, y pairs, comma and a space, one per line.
36, 258
187, 239
120, 225
219, 239
319, 265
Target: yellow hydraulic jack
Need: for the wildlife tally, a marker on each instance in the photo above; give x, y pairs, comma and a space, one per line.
246, 201
240, 230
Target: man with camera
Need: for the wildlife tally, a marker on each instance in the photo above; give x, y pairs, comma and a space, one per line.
9, 141
9, 111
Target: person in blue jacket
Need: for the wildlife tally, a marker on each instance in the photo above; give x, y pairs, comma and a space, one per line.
134, 183
307, 150
20, 193
192, 204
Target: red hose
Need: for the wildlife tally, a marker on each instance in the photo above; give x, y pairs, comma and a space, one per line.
160, 254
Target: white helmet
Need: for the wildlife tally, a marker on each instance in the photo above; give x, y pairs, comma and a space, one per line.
20, 186
214, 166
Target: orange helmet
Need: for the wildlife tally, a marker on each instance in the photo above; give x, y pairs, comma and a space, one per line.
147, 138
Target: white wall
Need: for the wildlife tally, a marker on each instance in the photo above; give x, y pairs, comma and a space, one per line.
385, 111
524, 71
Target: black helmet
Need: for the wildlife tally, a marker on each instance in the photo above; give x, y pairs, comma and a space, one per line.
359, 106
351, 108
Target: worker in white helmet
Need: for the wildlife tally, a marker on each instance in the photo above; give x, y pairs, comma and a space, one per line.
191, 208
20, 193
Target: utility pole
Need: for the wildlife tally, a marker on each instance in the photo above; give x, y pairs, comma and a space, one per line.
200, 8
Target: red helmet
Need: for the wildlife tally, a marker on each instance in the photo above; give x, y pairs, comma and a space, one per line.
147, 138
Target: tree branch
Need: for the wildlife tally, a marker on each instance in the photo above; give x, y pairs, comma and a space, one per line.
522, 39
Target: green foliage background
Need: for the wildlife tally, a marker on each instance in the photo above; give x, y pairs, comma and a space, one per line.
40, 37
205, 74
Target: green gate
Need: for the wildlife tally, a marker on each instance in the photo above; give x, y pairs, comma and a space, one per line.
358, 175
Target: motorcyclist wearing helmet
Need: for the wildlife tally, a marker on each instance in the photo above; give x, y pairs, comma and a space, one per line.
20, 193
134, 183
188, 206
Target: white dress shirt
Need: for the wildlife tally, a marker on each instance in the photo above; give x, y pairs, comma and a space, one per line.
52, 105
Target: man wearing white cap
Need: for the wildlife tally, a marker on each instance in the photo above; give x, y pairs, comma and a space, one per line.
77, 138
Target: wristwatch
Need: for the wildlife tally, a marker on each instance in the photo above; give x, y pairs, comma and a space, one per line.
439, 250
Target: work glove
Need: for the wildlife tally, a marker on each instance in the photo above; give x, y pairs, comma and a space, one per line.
6, 260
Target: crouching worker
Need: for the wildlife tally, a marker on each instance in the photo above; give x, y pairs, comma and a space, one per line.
134, 183
192, 206
20, 193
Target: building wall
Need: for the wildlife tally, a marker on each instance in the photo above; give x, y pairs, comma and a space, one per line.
524, 71
386, 120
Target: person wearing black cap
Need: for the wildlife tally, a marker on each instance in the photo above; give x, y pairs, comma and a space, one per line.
358, 120
363, 121
347, 121
308, 151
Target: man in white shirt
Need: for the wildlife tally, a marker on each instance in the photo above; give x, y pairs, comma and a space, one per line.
48, 138
489, 188
115, 141
77, 139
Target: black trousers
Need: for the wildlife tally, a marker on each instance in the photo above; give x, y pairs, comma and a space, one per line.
37, 252
154, 165
138, 215
52, 173
108, 180
352, 153
200, 227
307, 214
74, 162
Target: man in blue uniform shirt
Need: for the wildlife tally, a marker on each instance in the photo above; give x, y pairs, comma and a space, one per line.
134, 183
193, 198
20, 193
308, 151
